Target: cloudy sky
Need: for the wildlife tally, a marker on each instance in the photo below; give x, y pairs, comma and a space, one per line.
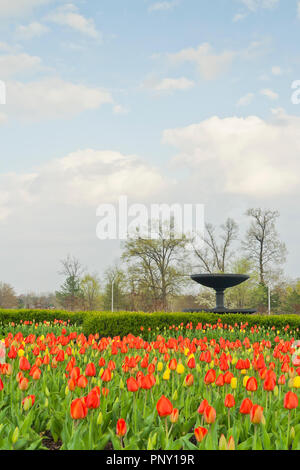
163, 101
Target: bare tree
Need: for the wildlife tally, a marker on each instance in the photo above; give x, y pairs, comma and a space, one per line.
214, 255
158, 263
262, 243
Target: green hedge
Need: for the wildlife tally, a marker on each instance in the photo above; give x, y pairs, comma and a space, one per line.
123, 323
10, 315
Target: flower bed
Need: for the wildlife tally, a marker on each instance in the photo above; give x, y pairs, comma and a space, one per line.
185, 386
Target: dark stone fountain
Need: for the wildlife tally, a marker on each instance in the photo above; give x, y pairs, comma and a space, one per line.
220, 282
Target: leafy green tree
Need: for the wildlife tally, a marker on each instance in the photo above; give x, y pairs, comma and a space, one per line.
70, 295
115, 289
91, 292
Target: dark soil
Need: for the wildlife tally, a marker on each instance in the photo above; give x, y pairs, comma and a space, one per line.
49, 442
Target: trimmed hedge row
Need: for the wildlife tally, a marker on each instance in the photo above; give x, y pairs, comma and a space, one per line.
123, 323
12, 315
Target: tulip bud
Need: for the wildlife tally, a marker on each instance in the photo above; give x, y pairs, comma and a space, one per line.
121, 385
222, 443
174, 415
175, 395
292, 433
46, 403
15, 435
99, 419
276, 391
231, 444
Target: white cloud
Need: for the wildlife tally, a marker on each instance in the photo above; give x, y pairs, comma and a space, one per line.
16, 64
68, 15
85, 178
209, 64
169, 84
31, 30
245, 100
239, 17
276, 70
242, 156
119, 109
255, 5
52, 98
269, 94
163, 6
10, 8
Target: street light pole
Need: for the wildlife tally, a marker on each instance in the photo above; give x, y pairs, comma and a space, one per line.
112, 295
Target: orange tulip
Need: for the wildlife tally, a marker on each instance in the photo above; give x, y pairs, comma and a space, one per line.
93, 399
202, 407
229, 401
121, 428
90, 370
164, 406
82, 381
256, 414
174, 415
23, 384
210, 414
106, 376
210, 377
251, 384
78, 409
290, 401
132, 385
200, 433
246, 406
189, 380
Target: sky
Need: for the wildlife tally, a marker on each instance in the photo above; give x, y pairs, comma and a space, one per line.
179, 101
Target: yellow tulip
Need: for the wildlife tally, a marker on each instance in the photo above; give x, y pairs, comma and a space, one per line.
166, 375
296, 382
180, 368
160, 366
233, 383
21, 352
245, 380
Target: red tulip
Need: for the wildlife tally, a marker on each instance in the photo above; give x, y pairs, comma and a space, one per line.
229, 401
210, 414
202, 407
121, 428
93, 399
90, 370
164, 406
251, 384
78, 409
132, 385
210, 377
290, 401
200, 433
246, 406
256, 414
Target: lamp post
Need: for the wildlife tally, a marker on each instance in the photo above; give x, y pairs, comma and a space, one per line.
112, 294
